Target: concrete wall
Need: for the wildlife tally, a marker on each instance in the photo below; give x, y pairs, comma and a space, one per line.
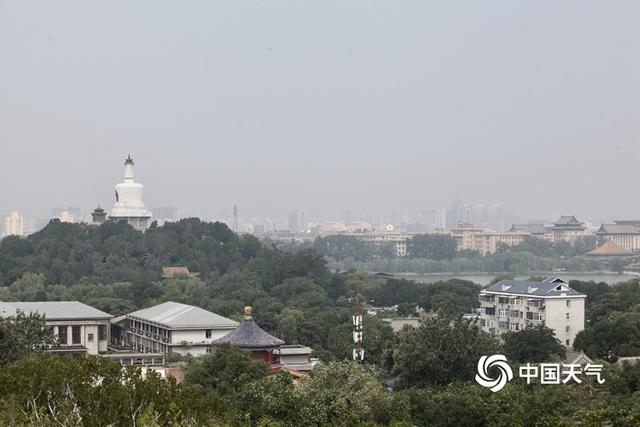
88, 329
556, 318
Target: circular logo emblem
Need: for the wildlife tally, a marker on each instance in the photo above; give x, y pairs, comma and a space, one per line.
500, 362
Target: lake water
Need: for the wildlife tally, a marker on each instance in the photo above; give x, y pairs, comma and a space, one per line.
484, 279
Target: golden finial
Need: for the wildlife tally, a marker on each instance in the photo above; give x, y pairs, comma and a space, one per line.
247, 313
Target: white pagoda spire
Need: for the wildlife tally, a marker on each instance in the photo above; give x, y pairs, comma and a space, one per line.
129, 204
128, 169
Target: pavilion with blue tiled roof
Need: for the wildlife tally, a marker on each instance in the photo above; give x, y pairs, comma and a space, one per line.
249, 336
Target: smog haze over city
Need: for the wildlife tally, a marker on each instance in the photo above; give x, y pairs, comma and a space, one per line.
322, 107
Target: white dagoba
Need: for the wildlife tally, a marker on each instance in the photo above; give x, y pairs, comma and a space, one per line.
129, 205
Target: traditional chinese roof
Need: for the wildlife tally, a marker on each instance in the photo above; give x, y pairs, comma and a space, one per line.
618, 229
530, 228
568, 221
550, 287
249, 335
608, 249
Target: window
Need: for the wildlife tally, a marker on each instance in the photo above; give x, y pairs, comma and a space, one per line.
503, 313
102, 332
75, 335
62, 335
90, 337
490, 311
514, 313
567, 316
208, 333
568, 303
567, 329
567, 343
503, 300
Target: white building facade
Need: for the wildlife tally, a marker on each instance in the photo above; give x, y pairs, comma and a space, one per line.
626, 236
510, 306
78, 328
173, 327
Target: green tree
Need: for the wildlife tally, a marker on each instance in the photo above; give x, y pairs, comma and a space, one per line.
271, 398
22, 335
438, 246
338, 391
534, 344
611, 338
226, 371
440, 351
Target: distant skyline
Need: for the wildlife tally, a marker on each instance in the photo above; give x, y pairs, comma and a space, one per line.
326, 107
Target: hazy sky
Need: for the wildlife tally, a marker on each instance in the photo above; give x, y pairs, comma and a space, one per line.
322, 106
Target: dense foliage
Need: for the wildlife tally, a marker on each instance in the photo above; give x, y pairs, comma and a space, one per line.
535, 344
22, 335
297, 297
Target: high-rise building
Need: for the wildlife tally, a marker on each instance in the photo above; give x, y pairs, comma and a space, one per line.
235, 218
129, 205
294, 225
66, 216
14, 224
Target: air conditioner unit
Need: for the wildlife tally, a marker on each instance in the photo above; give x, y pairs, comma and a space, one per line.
156, 337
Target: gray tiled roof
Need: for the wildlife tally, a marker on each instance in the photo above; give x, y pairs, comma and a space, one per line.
249, 335
183, 316
547, 288
530, 228
618, 229
54, 310
567, 220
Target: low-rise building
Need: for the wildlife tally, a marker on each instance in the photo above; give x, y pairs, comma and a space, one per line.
512, 305
465, 236
173, 327
534, 230
79, 328
294, 357
488, 242
626, 236
396, 239
567, 228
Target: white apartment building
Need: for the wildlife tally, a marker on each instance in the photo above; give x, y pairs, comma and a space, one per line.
626, 236
173, 327
79, 328
512, 305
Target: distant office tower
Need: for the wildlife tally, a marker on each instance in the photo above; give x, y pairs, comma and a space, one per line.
456, 214
235, 218
14, 224
293, 222
66, 216
129, 205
